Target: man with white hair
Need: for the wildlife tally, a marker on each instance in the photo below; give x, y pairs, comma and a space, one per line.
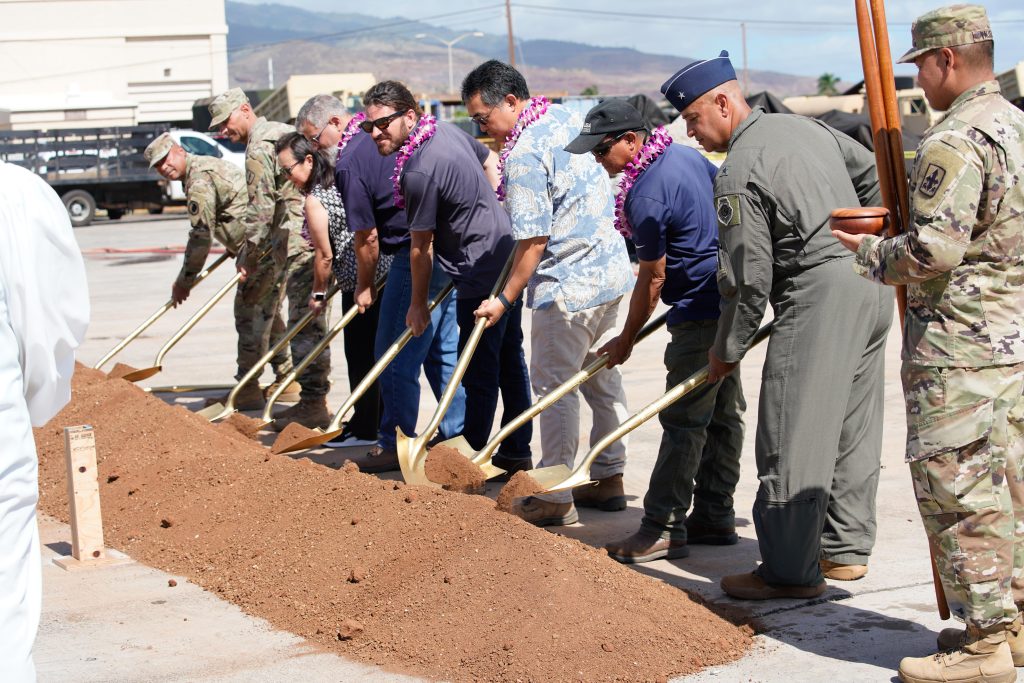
44, 310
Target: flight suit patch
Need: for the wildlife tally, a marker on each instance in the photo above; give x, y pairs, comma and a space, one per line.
727, 207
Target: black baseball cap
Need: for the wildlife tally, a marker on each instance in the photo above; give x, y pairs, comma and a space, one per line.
611, 116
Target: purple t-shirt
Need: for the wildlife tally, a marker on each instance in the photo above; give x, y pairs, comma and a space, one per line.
446, 191
364, 181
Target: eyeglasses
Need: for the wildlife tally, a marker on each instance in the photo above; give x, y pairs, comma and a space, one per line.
316, 138
482, 120
287, 170
382, 123
606, 147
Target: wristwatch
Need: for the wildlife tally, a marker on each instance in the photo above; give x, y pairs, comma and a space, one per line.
319, 296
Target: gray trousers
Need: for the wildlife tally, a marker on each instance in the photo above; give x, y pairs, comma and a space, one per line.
819, 431
701, 441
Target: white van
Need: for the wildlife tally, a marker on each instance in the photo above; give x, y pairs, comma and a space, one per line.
202, 144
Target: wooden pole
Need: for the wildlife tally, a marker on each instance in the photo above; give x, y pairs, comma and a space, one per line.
888, 139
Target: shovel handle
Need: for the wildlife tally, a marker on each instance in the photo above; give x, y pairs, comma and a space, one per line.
598, 364
157, 314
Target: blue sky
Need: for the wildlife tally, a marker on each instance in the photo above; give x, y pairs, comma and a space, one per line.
817, 37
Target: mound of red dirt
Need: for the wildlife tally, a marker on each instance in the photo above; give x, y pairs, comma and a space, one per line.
414, 579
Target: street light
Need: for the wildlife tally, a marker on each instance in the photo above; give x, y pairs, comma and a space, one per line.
449, 43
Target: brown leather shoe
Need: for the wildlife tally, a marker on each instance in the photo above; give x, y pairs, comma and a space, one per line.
545, 513
645, 547
752, 587
607, 494
842, 572
701, 534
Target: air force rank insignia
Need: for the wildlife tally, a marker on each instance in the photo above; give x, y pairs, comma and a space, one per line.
932, 180
728, 209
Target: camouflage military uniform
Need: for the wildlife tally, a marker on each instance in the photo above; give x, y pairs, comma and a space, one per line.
273, 219
962, 260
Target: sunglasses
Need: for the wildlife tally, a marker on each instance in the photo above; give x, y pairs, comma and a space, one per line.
382, 123
287, 170
606, 147
316, 138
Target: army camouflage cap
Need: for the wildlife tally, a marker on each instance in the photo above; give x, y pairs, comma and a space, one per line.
224, 104
948, 27
158, 149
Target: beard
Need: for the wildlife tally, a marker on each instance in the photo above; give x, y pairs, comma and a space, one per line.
391, 140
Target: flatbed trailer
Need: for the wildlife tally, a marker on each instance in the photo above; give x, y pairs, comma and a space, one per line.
90, 168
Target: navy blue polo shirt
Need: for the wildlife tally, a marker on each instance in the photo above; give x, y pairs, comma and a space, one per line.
672, 211
364, 181
446, 191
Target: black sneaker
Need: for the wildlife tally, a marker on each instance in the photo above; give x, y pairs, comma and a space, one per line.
348, 440
511, 466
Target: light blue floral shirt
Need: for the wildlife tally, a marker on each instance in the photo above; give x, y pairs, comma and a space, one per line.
569, 199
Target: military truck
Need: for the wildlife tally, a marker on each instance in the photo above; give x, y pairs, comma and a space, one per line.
90, 168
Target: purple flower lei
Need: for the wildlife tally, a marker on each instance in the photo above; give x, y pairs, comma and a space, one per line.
425, 130
350, 131
656, 144
536, 108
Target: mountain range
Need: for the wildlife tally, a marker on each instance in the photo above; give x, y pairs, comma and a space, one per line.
305, 42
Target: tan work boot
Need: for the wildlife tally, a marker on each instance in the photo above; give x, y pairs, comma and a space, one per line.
951, 638
289, 395
249, 397
607, 494
308, 412
544, 513
842, 572
983, 657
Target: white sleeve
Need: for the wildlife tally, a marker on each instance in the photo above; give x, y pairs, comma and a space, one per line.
42, 277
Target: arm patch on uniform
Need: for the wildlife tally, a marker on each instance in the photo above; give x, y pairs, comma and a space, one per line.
193, 207
253, 171
932, 179
727, 207
940, 166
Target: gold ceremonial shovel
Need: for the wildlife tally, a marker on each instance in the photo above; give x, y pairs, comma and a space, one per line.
482, 458
412, 450
334, 428
182, 331
561, 478
217, 411
159, 312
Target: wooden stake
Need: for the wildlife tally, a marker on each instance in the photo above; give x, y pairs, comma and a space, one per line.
84, 502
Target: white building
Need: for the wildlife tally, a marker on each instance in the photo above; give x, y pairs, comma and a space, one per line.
284, 103
86, 63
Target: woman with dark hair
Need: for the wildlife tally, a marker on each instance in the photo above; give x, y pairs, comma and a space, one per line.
312, 171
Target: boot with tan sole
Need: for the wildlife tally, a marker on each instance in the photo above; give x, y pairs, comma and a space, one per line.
607, 494
310, 412
982, 657
289, 395
249, 397
951, 638
842, 572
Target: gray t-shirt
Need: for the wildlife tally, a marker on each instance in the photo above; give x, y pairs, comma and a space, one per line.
446, 191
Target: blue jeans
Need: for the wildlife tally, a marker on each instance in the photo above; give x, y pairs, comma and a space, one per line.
498, 364
436, 351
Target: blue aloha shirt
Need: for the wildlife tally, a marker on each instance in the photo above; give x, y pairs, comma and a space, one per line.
567, 198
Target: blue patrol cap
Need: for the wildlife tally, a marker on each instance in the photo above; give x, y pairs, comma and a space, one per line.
695, 79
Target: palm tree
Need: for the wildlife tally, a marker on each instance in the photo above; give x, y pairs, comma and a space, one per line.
827, 84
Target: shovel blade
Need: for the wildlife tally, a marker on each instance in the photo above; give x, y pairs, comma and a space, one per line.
459, 443
144, 373
214, 412
558, 478
411, 459
312, 441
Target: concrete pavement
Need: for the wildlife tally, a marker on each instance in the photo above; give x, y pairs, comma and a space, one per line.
125, 623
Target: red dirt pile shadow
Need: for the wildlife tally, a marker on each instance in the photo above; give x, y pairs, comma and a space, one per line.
415, 579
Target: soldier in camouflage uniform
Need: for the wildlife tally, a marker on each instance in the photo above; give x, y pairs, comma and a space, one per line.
962, 259
273, 220
216, 199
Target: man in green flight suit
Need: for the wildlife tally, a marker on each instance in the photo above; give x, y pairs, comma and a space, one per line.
962, 260
273, 220
819, 431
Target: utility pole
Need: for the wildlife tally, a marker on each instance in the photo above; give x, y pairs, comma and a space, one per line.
270, 73
511, 41
746, 82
